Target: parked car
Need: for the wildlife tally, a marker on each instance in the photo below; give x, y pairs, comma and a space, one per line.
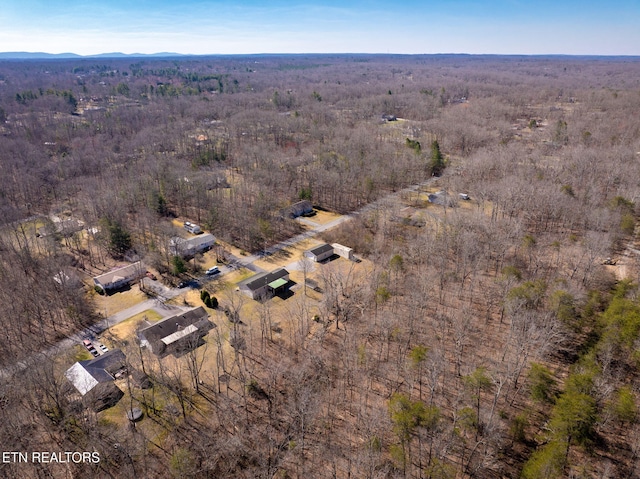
183, 284
213, 270
150, 275
103, 348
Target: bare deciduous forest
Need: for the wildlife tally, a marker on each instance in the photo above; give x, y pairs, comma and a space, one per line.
490, 334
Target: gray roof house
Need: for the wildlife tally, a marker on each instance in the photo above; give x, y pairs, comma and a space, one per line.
176, 333
120, 277
263, 285
298, 209
189, 247
94, 378
319, 253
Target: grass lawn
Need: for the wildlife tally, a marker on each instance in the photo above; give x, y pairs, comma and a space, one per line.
286, 256
323, 217
116, 302
126, 329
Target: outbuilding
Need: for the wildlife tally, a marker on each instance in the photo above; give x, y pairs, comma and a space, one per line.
343, 251
319, 253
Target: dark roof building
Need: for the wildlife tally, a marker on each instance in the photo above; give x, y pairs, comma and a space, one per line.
176, 333
85, 375
298, 209
263, 285
320, 252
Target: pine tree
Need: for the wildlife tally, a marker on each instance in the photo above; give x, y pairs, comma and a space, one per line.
437, 163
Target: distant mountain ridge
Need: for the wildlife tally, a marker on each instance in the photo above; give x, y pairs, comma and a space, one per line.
44, 56
69, 55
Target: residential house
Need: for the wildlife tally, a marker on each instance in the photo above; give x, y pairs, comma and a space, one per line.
319, 253
120, 277
64, 227
93, 378
192, 246
300, 208
176, 333
264, 285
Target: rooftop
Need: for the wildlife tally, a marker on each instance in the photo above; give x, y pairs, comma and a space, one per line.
262, 279
320, 249
118, 274
85, 375
175, 327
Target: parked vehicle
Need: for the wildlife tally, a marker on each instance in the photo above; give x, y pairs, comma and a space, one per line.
90, 347
192, 228
150, 275
212, 271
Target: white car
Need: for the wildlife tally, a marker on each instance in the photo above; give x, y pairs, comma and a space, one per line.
212, 271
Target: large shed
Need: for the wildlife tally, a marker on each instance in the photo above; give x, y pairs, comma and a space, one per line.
343, 251
319, 253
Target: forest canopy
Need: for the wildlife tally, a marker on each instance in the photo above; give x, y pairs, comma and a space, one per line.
490, 328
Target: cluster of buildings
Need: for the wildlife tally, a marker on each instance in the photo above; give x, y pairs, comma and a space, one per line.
178, 246
95, 379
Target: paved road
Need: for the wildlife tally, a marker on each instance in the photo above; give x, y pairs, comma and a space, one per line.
165, 292
162, 309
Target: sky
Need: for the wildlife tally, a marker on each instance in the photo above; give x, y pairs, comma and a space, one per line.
88, 27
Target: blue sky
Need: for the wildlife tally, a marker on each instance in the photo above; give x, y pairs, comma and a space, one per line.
87, 27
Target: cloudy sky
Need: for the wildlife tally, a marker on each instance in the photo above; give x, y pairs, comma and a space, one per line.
584, 27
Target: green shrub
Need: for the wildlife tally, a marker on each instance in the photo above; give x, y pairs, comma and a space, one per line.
542, 383
623, 406
627, 223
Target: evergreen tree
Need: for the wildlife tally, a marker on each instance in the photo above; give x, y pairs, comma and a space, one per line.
437, 163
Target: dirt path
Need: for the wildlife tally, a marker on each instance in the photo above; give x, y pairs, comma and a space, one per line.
164, 310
